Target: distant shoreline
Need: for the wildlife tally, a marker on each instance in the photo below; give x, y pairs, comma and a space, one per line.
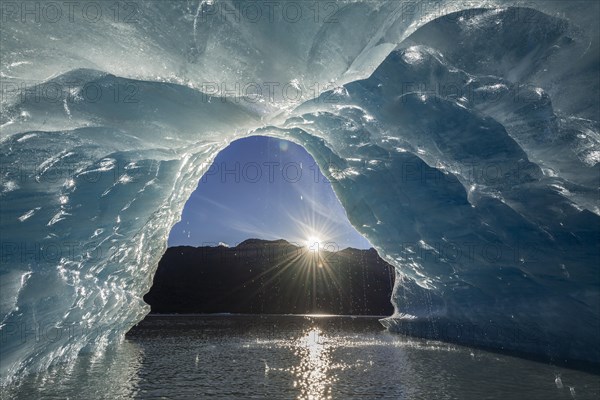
263, 315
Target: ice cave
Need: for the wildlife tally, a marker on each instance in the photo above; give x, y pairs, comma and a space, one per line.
461, 138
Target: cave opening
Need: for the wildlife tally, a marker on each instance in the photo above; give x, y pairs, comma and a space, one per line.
264, 233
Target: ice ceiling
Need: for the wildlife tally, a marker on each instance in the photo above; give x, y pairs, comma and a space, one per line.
461, 138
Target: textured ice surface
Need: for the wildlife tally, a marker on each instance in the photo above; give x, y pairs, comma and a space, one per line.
462, 139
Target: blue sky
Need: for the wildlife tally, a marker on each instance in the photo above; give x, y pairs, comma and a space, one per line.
264, 188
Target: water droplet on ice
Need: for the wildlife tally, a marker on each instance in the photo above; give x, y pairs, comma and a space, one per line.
558, 382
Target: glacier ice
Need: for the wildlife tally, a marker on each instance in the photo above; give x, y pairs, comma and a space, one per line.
461, 137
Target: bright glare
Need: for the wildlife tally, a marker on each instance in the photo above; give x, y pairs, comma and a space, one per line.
313, 241
313, 375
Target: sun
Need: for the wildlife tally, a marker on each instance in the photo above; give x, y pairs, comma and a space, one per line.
313, 242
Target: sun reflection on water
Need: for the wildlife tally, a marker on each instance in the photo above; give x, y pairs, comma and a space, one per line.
313, 376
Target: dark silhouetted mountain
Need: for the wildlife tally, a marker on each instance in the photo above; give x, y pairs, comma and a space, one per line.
271, 277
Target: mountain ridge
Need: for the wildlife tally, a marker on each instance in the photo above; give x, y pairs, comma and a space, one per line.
271, 277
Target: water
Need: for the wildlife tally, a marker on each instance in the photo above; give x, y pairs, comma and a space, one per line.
290, 357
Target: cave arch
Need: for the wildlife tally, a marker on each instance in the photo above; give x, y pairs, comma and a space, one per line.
95, 191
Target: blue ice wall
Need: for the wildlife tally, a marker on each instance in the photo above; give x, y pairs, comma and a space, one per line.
462, 140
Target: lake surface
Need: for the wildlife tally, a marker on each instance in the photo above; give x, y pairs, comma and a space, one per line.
296, 357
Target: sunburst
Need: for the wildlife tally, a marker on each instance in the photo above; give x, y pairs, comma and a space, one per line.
313, 242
